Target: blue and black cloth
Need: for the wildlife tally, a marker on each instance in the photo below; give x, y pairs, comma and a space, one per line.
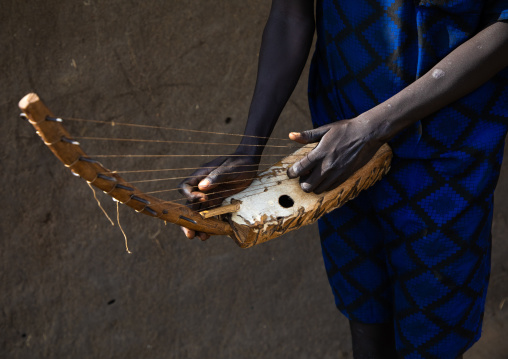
414, 249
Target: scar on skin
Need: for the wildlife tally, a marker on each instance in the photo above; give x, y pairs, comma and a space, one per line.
438, 73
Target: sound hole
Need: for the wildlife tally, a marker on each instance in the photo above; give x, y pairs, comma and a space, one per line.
286, 201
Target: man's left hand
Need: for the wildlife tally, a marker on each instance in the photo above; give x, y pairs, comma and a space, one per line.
344, 147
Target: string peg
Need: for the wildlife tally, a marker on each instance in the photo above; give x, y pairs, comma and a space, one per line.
53, 119
107, 178
139, 199
68, 140
121, 186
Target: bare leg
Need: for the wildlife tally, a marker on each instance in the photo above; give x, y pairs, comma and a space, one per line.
373, 341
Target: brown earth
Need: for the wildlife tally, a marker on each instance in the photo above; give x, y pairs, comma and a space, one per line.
68, 288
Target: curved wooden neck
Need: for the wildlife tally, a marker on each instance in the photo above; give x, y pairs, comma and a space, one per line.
60, 142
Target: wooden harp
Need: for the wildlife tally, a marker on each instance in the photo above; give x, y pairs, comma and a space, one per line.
248, 219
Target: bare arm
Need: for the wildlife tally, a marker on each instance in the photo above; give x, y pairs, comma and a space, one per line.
285, 46
345, 146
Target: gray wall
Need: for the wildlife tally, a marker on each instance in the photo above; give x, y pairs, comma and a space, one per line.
67, 286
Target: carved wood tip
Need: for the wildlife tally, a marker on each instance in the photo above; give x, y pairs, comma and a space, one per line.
28, 100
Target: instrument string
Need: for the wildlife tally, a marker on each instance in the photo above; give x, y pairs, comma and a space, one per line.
204, 176
126, 124
186, 155
178, 142
144, 140
171, 169
185, 177
209, 193
255, 191
213, 195
198, 176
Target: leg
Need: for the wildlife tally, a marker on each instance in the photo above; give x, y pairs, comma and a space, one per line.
373, 341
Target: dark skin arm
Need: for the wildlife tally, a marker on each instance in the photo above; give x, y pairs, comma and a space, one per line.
285, 46
345, 146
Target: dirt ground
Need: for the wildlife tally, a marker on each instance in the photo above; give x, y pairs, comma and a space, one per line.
67, 287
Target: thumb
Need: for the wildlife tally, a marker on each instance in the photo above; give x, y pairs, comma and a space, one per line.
216, 177
309, 136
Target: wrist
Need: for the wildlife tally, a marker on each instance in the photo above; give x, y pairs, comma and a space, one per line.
249, 150
254, 139
386, 120
373, 129
251, 146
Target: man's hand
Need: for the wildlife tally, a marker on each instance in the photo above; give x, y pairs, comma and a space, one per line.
216, 180
344, 147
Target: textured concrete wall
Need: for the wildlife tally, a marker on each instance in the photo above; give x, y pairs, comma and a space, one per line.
67, 286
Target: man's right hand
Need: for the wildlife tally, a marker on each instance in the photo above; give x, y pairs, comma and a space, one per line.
216, 180
287, 39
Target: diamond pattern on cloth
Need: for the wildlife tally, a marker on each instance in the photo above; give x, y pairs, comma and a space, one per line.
434, 249
443, 205
414, 249
426, 288
418, 329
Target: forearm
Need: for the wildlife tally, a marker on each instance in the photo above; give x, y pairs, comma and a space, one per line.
461, 72
285, 46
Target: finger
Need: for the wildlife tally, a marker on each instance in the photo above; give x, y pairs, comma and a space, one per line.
207, 184
333, 180
309, 136
218, 176
198, 197
309, 182
203, 236
189, 191
188, 185
189, 233
301, 167
200, 203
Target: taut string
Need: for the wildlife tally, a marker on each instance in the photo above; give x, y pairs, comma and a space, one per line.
218, 183
274, 181
114, 123
141, 140
175, 202
207, 155
254, 190
170, 169
184, 177
254, 193
179, 142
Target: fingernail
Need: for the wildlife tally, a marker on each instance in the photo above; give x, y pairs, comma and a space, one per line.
306, 187
204, 183
294, 134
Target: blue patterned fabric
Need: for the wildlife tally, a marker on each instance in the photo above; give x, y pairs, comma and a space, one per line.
415, 248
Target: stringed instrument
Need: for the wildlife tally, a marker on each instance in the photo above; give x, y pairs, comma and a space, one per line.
257, 214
